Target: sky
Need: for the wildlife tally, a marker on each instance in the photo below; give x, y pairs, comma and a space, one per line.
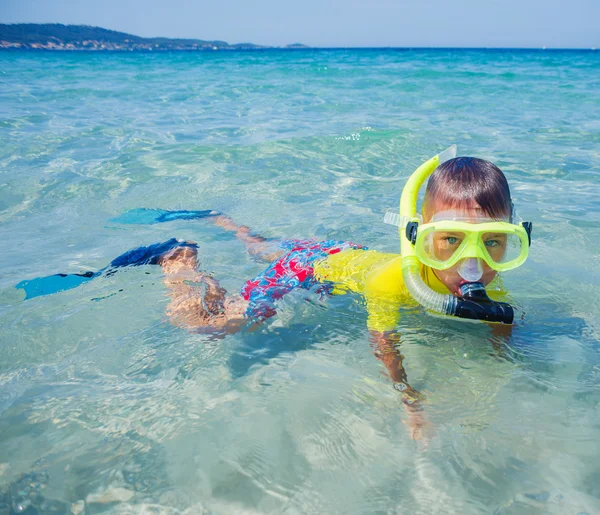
333, 23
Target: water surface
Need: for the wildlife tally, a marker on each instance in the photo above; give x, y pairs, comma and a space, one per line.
105, 406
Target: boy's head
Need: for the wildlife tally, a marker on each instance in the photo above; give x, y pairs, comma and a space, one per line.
469, 185
473, 190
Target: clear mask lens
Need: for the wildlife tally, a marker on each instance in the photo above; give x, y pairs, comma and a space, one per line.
470, 269
502, 247
440, 246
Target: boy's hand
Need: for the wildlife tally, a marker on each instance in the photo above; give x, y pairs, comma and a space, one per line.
419, 426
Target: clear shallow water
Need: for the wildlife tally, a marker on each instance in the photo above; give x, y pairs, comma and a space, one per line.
102, 400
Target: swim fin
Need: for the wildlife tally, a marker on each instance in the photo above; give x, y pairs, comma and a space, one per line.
156, 216
54, 283
149, 255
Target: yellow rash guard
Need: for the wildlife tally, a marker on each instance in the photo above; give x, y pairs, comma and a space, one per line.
377, 276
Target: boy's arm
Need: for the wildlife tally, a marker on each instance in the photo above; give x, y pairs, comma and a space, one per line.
386, 349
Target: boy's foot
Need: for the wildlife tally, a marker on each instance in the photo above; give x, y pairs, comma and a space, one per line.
180, 260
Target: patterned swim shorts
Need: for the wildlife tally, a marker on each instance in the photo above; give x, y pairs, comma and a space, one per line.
292, 270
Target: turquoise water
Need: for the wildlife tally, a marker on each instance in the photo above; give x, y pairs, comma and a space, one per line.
105, 407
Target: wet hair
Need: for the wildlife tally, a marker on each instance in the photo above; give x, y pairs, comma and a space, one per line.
468, 183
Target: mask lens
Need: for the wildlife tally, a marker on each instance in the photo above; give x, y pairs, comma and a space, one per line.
502, 247
440, 246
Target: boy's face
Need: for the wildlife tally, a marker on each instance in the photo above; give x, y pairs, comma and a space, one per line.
450, 277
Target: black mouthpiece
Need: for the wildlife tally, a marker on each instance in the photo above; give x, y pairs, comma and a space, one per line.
476, 305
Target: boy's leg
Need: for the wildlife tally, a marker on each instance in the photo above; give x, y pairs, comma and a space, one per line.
256, 245
190, 307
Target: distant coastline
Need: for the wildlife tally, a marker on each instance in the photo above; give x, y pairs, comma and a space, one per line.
55, 36
85, 38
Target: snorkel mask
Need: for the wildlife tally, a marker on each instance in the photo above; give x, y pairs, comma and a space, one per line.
450, 240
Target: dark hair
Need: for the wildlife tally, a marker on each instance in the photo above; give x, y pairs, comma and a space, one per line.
468, 183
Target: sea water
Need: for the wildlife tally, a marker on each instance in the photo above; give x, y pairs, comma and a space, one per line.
107, 408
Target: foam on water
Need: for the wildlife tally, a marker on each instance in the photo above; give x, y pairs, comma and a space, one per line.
104, 403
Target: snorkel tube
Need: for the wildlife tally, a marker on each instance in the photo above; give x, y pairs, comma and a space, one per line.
474, 303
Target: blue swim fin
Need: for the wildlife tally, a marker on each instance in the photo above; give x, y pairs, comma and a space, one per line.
149, 255
155, 216
54, 283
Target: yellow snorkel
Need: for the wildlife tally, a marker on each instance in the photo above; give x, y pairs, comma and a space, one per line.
474, 303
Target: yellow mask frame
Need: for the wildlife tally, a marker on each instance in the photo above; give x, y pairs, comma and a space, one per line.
476, 241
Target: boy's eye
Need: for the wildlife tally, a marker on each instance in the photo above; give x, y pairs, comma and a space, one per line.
452, 240
494, 240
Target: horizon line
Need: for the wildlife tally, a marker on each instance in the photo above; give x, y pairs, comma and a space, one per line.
304, 46
262, 48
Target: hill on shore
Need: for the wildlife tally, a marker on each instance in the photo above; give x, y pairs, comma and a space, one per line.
55, 36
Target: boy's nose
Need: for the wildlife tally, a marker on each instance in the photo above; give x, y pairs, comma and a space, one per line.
471, 269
